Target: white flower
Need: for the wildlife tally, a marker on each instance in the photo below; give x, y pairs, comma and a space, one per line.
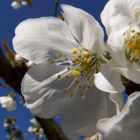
8, 102
18, 4
35, 128
30, 129
125, 125
122, 21
67, 54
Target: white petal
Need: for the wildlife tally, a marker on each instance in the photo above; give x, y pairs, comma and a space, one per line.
116, 47
81, 116
124, 126
84, 27
43, 91
41, 38
120, 13
131, 74
109, 81
118, 100
44, 97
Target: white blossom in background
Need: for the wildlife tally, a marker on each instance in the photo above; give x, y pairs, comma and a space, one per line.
8, 122
36, 129
69, 65
125, 125
8, 103
16, 4
122, 21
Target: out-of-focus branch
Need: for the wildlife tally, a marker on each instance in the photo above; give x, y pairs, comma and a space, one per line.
30, 2
51, 129
56, 4
13, 74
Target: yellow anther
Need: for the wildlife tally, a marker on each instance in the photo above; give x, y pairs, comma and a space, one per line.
75, 73
132, 47
85, 53
79, 56
74, 51
85, 59
132, 31
89, 60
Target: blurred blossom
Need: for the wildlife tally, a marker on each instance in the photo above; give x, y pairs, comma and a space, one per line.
9, 122
12, 132
16, 4
35, 129
8, 102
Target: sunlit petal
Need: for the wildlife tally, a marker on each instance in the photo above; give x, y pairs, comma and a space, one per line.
81, 116
41, 38
109, 81
120, 14
43, 91
84, 27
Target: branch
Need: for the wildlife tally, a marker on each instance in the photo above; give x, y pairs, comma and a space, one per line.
51, 129
56, 4
13, 76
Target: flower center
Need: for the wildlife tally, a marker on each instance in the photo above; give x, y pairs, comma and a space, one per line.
132, 46
86, 61
81, 69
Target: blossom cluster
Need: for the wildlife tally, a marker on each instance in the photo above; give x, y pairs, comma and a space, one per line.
8, 102
77, 75
16, 4
36, 129
13, 132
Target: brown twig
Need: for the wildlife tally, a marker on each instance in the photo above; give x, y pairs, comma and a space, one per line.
56, 4
30, 2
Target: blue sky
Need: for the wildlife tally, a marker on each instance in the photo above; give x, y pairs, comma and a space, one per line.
10, 19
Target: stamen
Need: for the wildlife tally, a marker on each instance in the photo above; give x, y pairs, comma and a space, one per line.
75, 73
81, 68
132, 46
74, 51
